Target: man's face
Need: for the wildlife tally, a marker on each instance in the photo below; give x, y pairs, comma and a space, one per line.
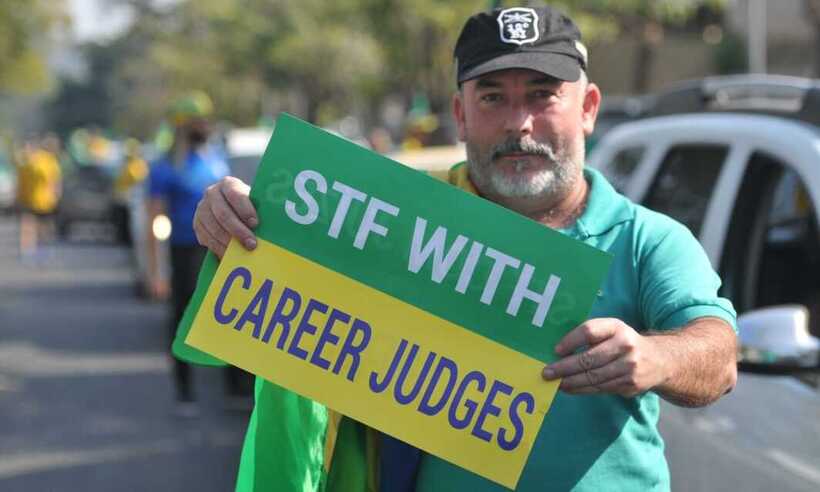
197, 131
524, 133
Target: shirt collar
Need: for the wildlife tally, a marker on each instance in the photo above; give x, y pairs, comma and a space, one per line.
605, 208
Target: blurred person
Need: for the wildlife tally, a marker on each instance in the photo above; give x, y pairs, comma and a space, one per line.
53, 144
419, 131
380, 140
77, 146
657, 329
420, 123
176, 183
39, 185
134, 170
99, 147
132, 173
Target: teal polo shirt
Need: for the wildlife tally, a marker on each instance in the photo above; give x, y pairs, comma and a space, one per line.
660, 279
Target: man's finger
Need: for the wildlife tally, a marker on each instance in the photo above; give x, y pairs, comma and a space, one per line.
237, 194
621, 386
207, 239
204, 218
597, 378
592, 332
229, 221
593, 358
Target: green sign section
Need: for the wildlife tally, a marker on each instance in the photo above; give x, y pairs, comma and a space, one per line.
418, 239
423, 241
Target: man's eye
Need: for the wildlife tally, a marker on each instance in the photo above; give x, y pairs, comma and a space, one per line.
543, 94
491, 98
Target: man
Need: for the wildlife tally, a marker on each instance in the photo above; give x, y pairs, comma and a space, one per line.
176, 183
133, 172
523, 108
39, 186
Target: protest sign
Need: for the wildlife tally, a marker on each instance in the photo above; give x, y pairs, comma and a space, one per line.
398, 300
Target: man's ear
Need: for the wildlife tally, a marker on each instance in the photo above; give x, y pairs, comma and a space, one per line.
458, 114
592, 102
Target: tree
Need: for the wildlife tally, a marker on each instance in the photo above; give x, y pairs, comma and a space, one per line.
418, 37
87, 101
643, 20
245, 54
26, 27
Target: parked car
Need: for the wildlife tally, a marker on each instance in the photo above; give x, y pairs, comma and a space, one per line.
88, 197
737, 160
244, 148
615, 111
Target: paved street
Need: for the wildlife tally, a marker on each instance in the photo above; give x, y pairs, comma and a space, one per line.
764, 436
85, 389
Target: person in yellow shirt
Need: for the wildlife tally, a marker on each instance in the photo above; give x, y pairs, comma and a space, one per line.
133, 172
39, 185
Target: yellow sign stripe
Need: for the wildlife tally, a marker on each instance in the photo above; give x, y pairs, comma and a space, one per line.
333, 339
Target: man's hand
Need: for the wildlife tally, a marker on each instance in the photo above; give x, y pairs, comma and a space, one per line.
615, 359
224, 212
690, 366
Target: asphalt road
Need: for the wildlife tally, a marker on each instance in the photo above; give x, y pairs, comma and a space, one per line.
86, 405
764, 436
85, 390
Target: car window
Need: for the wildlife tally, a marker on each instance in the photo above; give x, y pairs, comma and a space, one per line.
790, 209
685, 181
789, 254
620, 170
772, 251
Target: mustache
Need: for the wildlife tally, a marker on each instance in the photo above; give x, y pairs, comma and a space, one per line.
522, 146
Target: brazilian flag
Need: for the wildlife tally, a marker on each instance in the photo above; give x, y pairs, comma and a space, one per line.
292, 443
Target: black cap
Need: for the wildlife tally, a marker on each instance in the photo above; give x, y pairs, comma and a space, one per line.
539, 38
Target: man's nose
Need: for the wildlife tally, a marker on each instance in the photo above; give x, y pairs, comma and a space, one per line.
519, 120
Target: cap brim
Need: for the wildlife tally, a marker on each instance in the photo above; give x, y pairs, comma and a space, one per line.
560, 66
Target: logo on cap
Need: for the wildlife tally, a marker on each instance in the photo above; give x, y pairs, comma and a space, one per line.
518, 25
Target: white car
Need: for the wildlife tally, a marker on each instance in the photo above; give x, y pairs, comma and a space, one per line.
742, 171
244, 148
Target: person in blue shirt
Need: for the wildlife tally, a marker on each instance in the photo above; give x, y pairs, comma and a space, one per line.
176, 184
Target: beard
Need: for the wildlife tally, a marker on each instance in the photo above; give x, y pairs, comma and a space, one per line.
553, 173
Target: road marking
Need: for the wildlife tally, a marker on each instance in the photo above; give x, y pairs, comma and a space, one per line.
714, 424
12, 465
24, 359
799, 387
795, 465
27, 463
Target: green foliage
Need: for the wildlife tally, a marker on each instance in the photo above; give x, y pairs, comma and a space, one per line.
418, 37
730, 55
248, 54
256, 56
25, 27
603, 20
